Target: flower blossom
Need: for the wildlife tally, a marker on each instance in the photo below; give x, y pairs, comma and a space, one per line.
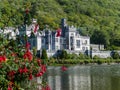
9, 88
39, 62
28, 55
39, 74
43, 70
24, 70
3, 58
30, 77
27, 46
11, 75
47, 87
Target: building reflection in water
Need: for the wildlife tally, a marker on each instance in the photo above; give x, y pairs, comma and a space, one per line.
84, 78
79, 79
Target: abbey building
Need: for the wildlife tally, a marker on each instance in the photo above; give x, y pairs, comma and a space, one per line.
66, 37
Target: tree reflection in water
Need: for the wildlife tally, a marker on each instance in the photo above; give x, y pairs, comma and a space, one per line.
95, 77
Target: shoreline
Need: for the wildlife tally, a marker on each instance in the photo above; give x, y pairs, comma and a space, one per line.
84, 62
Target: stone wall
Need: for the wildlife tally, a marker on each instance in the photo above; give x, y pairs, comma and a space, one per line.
101, 54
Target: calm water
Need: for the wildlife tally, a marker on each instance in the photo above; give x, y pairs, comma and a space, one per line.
95, 77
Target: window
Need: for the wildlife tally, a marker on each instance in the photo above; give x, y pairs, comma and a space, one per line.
71, 40
72, 34
78, 43
85, 41
83, 48
61, 40
42, 40
56, 39
46, 46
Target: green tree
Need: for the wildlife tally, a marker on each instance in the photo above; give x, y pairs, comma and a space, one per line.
115, 55
44, 54
100, 37
63, 54
80, 13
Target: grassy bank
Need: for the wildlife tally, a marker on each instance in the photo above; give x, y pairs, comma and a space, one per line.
55, 62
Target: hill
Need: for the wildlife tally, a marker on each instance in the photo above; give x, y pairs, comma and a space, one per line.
90, 16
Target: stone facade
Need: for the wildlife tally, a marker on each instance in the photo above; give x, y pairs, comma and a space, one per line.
68, 38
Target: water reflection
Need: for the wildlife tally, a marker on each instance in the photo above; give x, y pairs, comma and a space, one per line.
103, 77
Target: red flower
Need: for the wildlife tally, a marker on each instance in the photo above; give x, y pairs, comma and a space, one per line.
43, 68
39, 62
27, 11
28, 55
47, 87
3, 58
20, 70
63, 68
9, 88
11, 73
27, 46
25, 70
30, 77
39, 74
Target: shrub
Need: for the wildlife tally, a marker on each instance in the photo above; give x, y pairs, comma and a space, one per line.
99, 61
63, 54
44, 55
115, 55
96, 57
81, 56
18, 65
86, 61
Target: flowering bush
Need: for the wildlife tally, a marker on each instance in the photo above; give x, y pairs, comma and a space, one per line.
18, 65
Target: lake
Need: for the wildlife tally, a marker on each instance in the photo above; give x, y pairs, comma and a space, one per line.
81, 77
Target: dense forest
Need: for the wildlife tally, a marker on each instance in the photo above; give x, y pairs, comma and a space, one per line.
100, 19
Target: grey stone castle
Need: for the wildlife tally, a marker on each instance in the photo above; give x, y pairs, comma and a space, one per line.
66, 37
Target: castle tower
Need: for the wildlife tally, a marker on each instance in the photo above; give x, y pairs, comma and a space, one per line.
63, 26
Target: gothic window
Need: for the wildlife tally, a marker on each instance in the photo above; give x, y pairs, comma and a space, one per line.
78, 43
71, 40
56, 39
85, 41
61, 41
72, 34
42, 40
83, 48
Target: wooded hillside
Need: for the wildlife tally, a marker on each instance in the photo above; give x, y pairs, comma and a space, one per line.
100, 19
